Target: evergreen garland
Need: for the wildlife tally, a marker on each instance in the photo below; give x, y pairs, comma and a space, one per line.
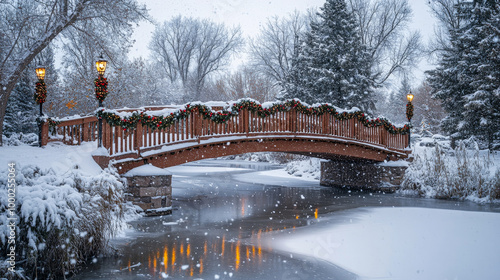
40, 92
101, 88
409, 111
221, 117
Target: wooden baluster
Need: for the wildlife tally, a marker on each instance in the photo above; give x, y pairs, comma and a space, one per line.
353, 128
189, 123
130, 140
199, 124
115, 140
123, 143
175, 131
385, 138
84, 137
119, 132
281, 121
261, 123
246, 125
301, 122
184, 129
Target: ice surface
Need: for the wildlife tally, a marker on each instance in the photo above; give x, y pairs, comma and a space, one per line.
405, 243
278, 177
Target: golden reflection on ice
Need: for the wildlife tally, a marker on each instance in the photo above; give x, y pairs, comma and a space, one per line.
170, 257
165, 257
237, 256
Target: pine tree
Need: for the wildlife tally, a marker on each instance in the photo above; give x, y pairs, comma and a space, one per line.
482, 113
332, 65
467, 80
21, 111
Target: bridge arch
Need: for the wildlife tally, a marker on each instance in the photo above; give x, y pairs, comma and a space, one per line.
321, 147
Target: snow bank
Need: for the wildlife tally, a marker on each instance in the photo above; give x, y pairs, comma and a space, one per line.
308, 168
405, 243
441, 172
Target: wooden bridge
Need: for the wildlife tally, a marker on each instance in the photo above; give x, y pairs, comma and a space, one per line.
172, 135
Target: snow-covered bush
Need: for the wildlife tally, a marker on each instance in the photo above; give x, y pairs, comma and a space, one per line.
62, 219
271, 157
466, 173
18, 139
305, 168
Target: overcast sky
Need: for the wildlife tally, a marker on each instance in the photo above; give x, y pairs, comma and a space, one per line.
251, 14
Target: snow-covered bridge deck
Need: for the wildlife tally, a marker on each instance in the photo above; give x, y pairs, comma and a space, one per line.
168, 136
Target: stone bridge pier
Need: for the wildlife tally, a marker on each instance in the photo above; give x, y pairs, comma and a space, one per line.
360, 174
150, 188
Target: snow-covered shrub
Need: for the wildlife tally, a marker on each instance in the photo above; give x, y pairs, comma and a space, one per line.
18, 139
271, 157
464, 174
63, 219
306, 168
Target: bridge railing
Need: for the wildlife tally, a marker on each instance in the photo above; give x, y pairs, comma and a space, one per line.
72, 131
195, 128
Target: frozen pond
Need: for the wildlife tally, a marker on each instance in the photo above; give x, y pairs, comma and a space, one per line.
225, 227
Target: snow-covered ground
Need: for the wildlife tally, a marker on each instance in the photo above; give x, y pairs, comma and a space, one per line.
56, 156
403, 243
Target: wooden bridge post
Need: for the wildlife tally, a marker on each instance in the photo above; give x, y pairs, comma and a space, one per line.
45, 133
85, 133
198, 120
352, 130
326, 123
138, 137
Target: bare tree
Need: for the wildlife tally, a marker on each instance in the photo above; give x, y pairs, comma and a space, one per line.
247, 82
451, 17
190, 50
272, 51
429, 111
27, 27
383, 29
173, 45
214, 48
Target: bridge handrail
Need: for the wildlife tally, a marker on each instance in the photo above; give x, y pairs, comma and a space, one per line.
71, 130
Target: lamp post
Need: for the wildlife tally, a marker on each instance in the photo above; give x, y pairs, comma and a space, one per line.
101, 90
409, 115
40, 96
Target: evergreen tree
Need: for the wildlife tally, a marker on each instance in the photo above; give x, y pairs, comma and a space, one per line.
21, 111
467, 79
482, 111
332, 64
